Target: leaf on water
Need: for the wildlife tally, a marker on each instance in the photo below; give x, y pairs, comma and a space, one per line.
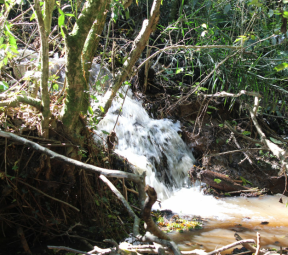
105, 132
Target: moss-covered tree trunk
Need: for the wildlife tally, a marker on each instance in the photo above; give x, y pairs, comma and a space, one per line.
81, 44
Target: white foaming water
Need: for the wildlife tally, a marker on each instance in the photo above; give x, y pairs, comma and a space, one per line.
152, 145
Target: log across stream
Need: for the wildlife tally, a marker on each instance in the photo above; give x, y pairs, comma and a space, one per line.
225, 216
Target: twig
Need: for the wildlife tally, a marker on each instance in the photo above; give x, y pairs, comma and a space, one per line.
243, 191
234, 151
226, 124
238, 146
124, 202
258, 244
273, 116
202, 82
226, 94
276, 150
230, 246
67, 249
187, 47
247, 245
58, 200
20, 15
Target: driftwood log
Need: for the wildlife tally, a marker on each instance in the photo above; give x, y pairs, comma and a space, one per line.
224, 183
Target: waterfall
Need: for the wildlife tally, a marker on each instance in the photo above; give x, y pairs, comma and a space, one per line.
152, 145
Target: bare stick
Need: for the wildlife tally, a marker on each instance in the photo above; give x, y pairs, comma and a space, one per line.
226, 94
234, 151
66, 249
238, 146
258, 244
231, 245
276, 150
58, 200
125, 203
247, 245
226, 124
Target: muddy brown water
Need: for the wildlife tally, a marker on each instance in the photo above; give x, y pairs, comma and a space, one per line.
225, 216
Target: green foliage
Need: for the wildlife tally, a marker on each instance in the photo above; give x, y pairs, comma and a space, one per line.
179, 225
8, 45
255, 25
245, 181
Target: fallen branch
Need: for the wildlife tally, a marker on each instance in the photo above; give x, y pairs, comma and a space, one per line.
224, 183
247, 245
226, 94
281, 154
125, 203
234, 151
229, 246
53, 155
146, 214
226, 124
63, 248
258, 244
244, 191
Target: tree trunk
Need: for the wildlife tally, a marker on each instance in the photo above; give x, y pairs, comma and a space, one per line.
44, 24
77, 99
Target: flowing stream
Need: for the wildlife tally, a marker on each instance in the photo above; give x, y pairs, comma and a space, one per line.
155, 146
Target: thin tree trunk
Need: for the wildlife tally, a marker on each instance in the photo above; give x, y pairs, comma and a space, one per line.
44, 25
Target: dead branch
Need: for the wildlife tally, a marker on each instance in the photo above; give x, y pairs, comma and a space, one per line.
53, 155
63, 248
188, 47
244, 191
247, 245
125, 203
238, 146
281, 154
170, 244
234, 151
226, 124
225, 183
226, 94
258, 244
231, 245
53, 198
146, 214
